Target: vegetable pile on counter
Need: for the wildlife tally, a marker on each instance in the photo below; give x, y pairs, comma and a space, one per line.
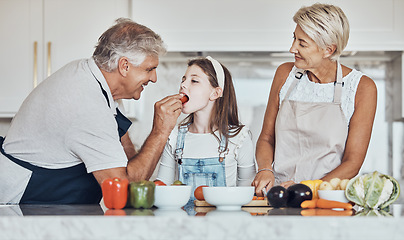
373, 190
118, 193
293, 196
334, 184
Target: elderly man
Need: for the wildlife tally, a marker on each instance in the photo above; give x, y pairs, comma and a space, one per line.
69, 134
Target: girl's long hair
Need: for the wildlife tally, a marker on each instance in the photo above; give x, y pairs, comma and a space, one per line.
225, 112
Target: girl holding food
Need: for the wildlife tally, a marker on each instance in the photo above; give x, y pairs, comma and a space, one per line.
210, 146
319, 115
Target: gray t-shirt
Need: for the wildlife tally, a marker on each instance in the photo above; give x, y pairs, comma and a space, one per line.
66, 121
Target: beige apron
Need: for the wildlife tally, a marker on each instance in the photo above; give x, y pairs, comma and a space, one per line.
309, 137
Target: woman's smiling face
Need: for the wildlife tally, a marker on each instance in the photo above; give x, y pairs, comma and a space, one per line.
196, 85
307, 53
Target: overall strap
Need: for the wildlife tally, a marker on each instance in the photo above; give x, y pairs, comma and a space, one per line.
338, 85
223, 151
122, 121
298, 75
182, 130
104, 93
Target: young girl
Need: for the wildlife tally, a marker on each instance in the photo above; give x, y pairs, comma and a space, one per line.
210, 146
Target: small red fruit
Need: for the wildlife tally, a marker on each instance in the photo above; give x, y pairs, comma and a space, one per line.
198, 193
159, 183
184, 99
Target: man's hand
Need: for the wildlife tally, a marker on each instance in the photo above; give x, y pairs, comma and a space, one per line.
142, 164
166, 113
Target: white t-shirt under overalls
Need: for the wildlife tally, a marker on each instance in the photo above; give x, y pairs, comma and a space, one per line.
239, 162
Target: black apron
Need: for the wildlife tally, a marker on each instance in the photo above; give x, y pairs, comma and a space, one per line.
72, 185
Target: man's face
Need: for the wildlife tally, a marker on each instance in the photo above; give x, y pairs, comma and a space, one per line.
139, 76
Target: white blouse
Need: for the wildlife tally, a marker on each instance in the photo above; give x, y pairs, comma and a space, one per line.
308, 91
239, 162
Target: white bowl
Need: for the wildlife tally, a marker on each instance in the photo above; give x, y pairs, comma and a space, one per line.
171, 197
334, 195
228, 198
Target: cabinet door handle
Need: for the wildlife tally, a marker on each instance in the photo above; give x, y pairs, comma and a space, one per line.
49, 59
35, 83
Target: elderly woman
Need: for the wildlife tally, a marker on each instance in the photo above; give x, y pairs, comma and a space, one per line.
319, 115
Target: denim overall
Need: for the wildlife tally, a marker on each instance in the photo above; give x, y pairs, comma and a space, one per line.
200, 171
72, 185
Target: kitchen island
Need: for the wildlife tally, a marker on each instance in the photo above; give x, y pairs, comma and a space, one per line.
96, 222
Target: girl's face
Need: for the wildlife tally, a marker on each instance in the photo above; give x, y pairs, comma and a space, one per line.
195, 84
307, 53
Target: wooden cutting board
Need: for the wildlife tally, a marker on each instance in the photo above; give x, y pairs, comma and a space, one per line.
253, 203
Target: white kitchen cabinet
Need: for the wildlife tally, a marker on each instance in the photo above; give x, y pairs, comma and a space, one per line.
264, 25
40, 36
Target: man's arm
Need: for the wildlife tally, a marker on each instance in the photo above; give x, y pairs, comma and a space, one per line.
142, 165
128, 146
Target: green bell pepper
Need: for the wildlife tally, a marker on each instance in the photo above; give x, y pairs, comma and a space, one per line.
142, 194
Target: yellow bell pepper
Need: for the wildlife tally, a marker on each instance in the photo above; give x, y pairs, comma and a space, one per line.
313, 185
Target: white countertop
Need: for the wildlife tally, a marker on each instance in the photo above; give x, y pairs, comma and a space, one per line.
89, 222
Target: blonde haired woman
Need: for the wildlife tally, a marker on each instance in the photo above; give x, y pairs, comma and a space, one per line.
319, 115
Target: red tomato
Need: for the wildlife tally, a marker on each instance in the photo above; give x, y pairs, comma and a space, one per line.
159, 183
184, 99
198, 193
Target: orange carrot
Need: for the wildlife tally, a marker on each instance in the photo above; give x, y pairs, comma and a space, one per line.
260, 198
308, 212
254, 198
323, 203
330, 212
309, 203
325, 212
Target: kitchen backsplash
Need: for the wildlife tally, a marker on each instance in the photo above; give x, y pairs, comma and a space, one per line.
252, 77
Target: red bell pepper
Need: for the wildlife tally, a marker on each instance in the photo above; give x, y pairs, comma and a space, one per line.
115, 192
